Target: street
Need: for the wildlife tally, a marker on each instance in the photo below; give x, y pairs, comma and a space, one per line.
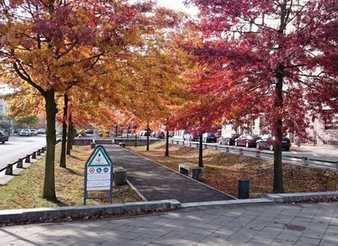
18, 147
325, 157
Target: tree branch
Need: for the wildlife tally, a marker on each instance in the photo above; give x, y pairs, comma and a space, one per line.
25, 76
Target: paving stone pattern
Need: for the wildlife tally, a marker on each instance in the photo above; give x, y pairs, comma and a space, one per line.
158, 183
301, 224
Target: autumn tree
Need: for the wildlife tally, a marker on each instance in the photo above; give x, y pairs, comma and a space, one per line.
158, 68
271, 58
54, 45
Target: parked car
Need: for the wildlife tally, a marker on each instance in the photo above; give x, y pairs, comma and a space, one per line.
209, 137
158, 134
191, 137
89, 132
145, 133
3, 137
247, 140
25, 132
228, 140
41, 131
267, 142
34, 132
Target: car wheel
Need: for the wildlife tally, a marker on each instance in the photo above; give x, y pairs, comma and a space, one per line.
271, 147
247, 144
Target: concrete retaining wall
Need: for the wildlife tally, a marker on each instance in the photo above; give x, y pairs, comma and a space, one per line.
22, 216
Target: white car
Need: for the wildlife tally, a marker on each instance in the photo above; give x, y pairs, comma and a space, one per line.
25, 132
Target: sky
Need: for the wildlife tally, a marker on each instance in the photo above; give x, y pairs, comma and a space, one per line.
177, 5
173, 4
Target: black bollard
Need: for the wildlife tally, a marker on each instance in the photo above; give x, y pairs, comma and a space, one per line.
28, 159
243, 189
20, 163
34, 155
9, 170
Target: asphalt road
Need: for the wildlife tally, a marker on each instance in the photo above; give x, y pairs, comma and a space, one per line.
18, 147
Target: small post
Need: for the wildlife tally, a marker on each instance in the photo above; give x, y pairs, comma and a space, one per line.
227, 149
34, 155
28, 159
9, 170
306, 161
166, 144
258, 154
20, 163
240, 151
38, 152
92, 145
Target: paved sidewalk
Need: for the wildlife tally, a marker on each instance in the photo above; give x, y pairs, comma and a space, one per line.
329, 152
301, 224
155, 182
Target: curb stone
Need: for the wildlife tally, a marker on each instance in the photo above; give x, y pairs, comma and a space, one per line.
228, 203
302, 196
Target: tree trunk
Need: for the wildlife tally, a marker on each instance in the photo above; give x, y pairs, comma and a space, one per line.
70, 134
278, 132
49, 178
166, 144
200, 152
64, 132
148, 135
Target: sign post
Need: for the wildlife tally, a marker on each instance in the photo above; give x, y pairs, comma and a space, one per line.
98, 175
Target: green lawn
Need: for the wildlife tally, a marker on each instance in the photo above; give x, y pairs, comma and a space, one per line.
24, 191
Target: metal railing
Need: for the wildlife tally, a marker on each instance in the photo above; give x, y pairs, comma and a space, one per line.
263, 154
9, 168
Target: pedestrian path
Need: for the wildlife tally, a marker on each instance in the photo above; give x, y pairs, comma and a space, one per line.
286, 224
155, 182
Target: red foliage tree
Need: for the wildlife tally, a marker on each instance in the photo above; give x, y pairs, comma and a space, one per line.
272, 58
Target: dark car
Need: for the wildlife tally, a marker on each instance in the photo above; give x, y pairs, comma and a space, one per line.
228, 140
209, 138
267, 142
191, 137
248, 141
3, 137
158, 134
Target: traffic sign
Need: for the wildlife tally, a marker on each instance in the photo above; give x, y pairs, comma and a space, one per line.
98, 173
